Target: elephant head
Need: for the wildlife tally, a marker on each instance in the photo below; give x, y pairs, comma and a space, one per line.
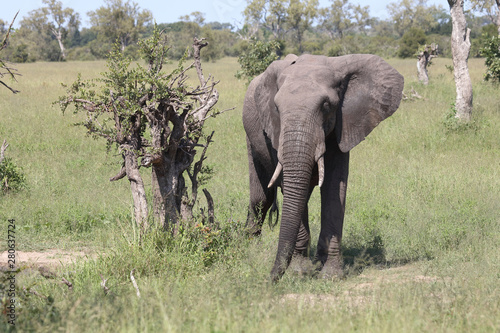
305, 103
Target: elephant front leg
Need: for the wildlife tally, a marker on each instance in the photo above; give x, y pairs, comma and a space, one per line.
333, 194
301, 264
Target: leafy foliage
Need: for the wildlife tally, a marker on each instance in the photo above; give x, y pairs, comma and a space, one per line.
258, 57
491, 51
411, 41
11, 177
156, 120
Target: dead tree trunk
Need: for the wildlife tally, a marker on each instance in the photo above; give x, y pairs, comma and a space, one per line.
137, 189
424, 59
460, 47
130, 145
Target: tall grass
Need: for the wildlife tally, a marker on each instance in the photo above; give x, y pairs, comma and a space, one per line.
421, 230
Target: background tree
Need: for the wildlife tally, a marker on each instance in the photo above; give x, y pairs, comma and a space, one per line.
408, 14
122, 21
272, 15
60, 22
301, 15
427, 53
196, 17
44, 25
411, 41
342, 17
256, 57
491, 51
491, 8
460, 47
34, 39
156, 120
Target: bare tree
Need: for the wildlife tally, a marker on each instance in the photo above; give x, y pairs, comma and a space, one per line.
424, 59
53, 20
460, 48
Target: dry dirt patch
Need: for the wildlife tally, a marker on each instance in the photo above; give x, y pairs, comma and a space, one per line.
358, 292
47, 258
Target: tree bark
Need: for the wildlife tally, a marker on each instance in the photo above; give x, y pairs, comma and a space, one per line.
460, 47
58, 35
137, 189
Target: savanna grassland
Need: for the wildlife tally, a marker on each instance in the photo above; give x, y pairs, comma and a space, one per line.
421, 236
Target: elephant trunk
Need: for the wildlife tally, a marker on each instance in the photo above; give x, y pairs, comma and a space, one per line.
298, 157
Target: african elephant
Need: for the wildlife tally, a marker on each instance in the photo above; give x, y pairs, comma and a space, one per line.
302, 116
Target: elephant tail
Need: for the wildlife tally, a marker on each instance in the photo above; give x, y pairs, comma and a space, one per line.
274, 211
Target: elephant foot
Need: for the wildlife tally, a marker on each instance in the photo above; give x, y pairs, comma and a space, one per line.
332, 270
253, 230
301, 266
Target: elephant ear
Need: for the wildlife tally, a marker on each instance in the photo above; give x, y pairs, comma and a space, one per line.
265, 90
371, 91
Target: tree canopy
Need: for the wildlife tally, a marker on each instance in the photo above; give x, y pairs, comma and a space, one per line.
54, 33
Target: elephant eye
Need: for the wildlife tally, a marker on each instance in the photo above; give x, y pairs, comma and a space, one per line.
326, 107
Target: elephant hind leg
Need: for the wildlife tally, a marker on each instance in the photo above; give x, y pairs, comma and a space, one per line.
261, 197
259, 206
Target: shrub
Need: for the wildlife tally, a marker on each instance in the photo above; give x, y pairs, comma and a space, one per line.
491, 51
256, 58
11, 177
410, 42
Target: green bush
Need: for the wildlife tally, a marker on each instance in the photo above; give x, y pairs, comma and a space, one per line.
11, 177
255, 58
491, 51
21, 54
410, 42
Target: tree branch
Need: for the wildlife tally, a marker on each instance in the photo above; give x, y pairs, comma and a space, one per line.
2, 64
120, 175
198, 45
66, 282
3, 83
210, 204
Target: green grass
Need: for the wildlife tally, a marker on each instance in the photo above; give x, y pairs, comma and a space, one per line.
422, 228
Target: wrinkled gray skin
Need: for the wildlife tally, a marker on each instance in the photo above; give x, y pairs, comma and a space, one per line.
302, 116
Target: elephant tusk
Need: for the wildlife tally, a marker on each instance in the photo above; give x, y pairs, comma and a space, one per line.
276, 174
321, 170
